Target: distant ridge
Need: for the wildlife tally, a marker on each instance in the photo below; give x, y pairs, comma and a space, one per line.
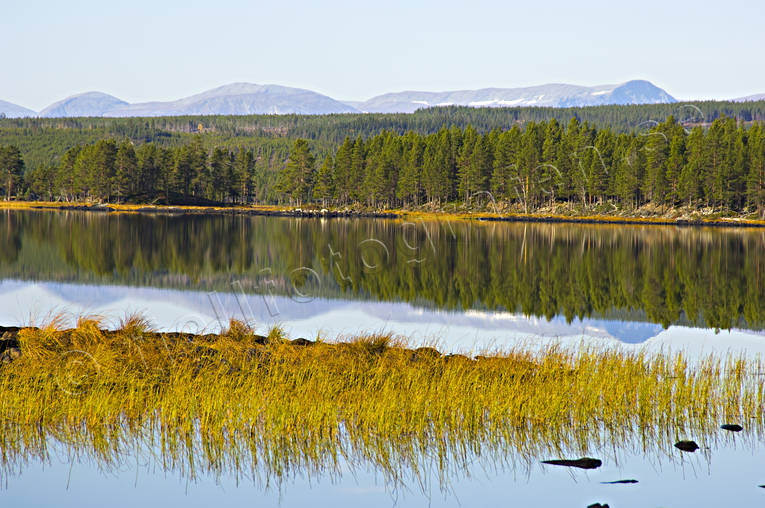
551, 95
10, 110
84, 104
756, 97
233, 99
250, 99
241, 99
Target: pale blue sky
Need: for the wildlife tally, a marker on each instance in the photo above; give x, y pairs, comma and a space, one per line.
163, 50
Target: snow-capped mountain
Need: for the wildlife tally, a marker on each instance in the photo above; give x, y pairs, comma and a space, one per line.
552, 95
249, 98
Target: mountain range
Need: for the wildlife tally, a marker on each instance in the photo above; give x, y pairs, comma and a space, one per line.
248, 98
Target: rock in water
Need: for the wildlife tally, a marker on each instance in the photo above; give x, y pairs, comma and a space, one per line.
732, 427
687, 446
615, 482
583, 463
598, 505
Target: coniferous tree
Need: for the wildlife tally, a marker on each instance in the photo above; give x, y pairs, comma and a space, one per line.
323, 188
675, 163
297, 179
11, 169
755, 183
126, 169
689, 184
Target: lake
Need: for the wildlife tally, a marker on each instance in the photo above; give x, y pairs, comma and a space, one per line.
467, 287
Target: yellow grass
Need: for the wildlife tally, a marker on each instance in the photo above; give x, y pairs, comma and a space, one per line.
400, 213
238, 401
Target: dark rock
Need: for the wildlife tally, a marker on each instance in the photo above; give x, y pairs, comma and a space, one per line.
732, 427
302, 342
9, 331
598, 505
616, 482
687, 446
583, 463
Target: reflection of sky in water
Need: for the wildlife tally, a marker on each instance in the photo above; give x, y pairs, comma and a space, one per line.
730, 471
727, 476
473, 330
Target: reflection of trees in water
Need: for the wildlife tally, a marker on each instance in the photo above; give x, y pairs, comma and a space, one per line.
712, 277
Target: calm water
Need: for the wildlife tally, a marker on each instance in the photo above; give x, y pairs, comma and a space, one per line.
463, 286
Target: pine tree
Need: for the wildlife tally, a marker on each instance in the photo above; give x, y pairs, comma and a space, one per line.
465, 165
342, 171
629, 174
689, 184
126, 168
216, 183
408, 188
358, 170
323, 188
505, 171
11, 169
755, 182
657, 153
66, 177
297, 178
675, 164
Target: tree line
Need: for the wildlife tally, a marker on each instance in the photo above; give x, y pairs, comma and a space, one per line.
44, 140
539, 165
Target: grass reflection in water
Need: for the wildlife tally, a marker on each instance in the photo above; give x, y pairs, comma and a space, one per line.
270, 408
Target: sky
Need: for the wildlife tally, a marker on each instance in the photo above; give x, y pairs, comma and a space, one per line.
354, 50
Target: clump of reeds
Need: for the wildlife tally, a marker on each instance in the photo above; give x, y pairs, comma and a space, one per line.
221, 400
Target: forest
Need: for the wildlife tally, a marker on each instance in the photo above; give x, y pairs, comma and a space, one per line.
539, 164
45, 140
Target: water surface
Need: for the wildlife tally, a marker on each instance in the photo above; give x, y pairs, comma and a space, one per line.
465, 286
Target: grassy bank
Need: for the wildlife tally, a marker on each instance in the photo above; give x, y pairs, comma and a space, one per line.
239, 400
563, 215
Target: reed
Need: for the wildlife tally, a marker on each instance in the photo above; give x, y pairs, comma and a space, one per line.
272, 406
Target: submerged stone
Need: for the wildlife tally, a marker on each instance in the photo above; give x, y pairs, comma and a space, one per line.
687, 446
733, 427
598, 505
583, 463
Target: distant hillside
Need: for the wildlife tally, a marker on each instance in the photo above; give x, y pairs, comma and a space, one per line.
252, 99
84, 104
552, 95
10, 110
756, 97
234, 99
241, 99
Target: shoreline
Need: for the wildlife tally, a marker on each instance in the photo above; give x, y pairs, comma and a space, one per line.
398, 214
